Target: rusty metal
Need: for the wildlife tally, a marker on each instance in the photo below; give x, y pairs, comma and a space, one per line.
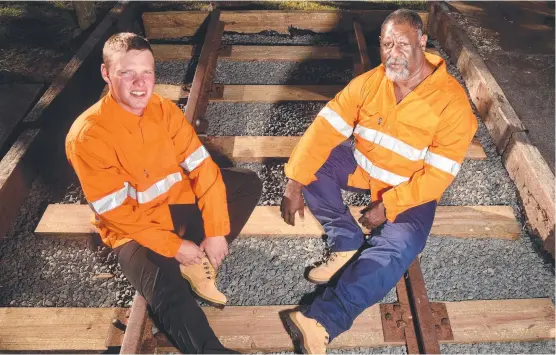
421, 309
410, 333
115, 334
393, 317
197, 101
441, 321
133, 337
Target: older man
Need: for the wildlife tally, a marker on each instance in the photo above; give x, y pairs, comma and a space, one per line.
412, 125
159, 199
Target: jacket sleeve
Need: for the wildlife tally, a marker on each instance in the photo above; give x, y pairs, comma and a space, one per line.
442, 161
333, 125
206, 178
108, 194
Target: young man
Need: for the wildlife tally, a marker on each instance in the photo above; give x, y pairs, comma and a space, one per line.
160, 201
412, 124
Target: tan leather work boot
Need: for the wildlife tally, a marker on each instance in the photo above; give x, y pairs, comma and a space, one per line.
202, 278
312, 336
323, 273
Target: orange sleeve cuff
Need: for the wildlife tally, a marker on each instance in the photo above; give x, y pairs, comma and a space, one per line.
217, 229
390, 201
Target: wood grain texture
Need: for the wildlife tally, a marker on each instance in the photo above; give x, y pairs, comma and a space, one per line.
501, 320
54, 329
455, 221
186, 23
257, 148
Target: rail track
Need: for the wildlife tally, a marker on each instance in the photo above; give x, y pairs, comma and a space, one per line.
195, 39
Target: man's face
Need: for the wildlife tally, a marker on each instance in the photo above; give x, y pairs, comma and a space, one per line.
401, 50
131, 79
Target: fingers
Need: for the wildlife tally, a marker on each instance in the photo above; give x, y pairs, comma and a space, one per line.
301, 212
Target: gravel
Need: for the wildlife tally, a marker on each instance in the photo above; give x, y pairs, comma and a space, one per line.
296, 37
310, 72
175, 72
459, 269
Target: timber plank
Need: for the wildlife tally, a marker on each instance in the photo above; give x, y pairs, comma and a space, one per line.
257, 148
455, 221
171, 92
471, 321
501, 320
164, 52
274, 93
15, 101
54, 329
186, 23
16, 176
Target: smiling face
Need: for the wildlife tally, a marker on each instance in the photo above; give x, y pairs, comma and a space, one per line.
131, 79
401, 50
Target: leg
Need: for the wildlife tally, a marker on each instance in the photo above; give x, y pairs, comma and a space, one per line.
243, 190
158, 279
324, 200
369, 278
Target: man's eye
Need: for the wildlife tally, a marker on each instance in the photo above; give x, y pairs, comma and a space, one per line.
387, 45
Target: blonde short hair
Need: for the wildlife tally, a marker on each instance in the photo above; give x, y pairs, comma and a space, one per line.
122, 43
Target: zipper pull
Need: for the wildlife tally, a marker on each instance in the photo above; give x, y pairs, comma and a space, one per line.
146, 173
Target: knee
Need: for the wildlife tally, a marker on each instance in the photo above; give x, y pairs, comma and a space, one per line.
252, 184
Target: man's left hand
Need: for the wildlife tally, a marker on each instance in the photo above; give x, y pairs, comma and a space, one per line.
216, 249
373, 215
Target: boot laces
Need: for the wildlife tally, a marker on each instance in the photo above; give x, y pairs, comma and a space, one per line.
209, 270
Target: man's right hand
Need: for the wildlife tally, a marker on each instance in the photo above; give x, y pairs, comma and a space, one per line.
292, 202
189, 253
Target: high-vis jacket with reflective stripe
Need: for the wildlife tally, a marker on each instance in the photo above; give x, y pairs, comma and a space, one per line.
408, 153
132, 168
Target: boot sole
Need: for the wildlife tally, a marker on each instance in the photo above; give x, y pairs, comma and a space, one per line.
318, 282
212, 302
295, 329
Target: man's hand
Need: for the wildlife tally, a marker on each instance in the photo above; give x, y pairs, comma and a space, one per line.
189, 253
216, 249
292, 202
373, 215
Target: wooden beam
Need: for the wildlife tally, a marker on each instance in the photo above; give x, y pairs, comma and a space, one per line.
85, 12
74, 221
526, 166
15, 101
274, 93
202, 81
257, 148
501, 320
163, 52
17, 173
54, 329
259, 328
186, 23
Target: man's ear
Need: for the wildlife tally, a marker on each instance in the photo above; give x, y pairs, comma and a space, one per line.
104, 73
423, 42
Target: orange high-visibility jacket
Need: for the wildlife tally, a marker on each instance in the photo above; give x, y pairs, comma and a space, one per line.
131, 168
407, 153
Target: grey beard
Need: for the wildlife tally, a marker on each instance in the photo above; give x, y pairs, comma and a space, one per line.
397, 76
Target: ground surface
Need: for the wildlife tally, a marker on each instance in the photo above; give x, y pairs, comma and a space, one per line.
516, 41
262, 271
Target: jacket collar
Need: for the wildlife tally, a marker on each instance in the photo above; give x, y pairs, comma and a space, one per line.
129, 120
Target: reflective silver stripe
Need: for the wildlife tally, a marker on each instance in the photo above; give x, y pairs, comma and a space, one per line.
195, 159
116, 199
158, 188
109, 202
376, 172
442, 163
336, 121
389, 142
